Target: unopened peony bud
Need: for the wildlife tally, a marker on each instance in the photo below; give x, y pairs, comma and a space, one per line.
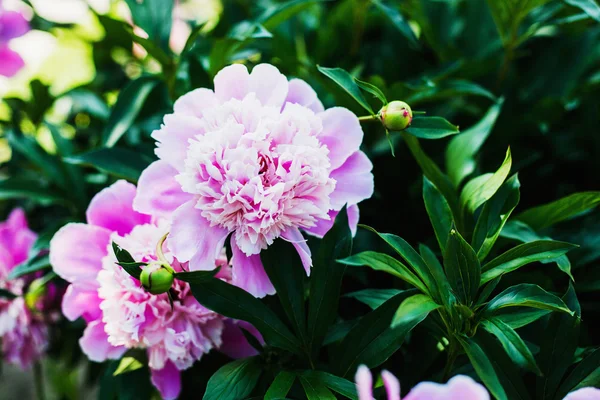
156, 279
396, 116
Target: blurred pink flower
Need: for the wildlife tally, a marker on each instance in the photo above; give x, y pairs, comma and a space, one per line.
460, 387
23, 331
12, 25
119, 313
587, 393
258, 158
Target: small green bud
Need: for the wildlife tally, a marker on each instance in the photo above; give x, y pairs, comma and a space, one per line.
396, 116
156, 279
36, 290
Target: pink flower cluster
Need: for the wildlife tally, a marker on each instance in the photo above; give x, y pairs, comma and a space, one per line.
121, 315
23, 331
258, 158
12, 25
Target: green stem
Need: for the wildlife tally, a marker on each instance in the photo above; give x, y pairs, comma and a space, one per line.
38, 378
452, 355
368, 118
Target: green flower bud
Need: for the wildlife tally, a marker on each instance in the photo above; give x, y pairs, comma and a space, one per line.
396, 116
156, 279
36, 290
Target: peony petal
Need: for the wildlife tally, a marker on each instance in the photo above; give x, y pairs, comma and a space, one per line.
232, 82
341, 134
158, 192
249, 273
112, 208
78, 302
270, 85
76, 253
173, 138
364, 383
10, 61
16, 239
234, 343
193, 239
354, 181
459, 387
392, 385
193, 103
167, 381
300, 92
294, 236
94, 343
12, 25
323, 225
586, 393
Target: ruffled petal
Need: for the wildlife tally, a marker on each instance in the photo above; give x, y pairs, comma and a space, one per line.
354, 181
586, 393
459, 387
173, 138
364, 383
194, 102
232, 82
392, 385
158, 193
234, 342
249, 273
324, 225
16, 239
12, 25
167, 381
193, 239
94, 343
300, 92
112, 208
294, 236
341, 134
270, 85
79, 302
10, 61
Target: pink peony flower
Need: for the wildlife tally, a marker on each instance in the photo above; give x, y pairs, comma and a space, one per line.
258, 158
587, 393
119, 313
23, 331
12, 25
460, 387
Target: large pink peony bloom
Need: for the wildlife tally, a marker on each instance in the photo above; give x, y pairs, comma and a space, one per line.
23, 331
587, 393
119, 313
258, 158
12, 25
460, 387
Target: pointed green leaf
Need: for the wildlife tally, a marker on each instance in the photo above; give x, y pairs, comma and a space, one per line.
413, 310
525, 295
401, 24
483, 367
121, 163
346, 82
431, 128
315, 389
281, 385
278, 13
373, 297
585, 374
439, 212
590, 7
196, 276
520, 317
335, 383
462, 268
127, 364
374, 90
559, 210
234, 381
155, 18
34, 264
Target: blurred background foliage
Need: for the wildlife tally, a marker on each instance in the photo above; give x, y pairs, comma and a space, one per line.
524, 72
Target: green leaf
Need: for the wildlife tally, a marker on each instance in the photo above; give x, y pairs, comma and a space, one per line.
278, 13
521, 317
508, 16
483, 367
346, 82
524, 254
326, 279
335, 383
462, 268
479, 190
431, 128
127, 364
129, 103
372, 340
281, 385
385, 263
525, 295
17, 188
118, 162
122, 255
514, 346
34, 264
590, 7
431, 91
196, 276
149, 45
236, 303
133, 269
234, 381
315, 389
373, 297
494, 215
399, 22
413, 310
585, 374
461, 151
559, 210
284, 268
374, 90
439, 212
155, 18
7, 294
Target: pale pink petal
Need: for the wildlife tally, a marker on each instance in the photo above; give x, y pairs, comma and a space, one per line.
341, 134
10, 61
112, 208
158, 192
459, 387
12, 25
353, 217
173, 138
193, 239
300, 92
232, 82
364, 383
194, 102
294, 236
167, 381
324, 225
79, 302
587, 393
76, 253
354, 181
392, 385
270, 85
234, 343
249, 273
94, 343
